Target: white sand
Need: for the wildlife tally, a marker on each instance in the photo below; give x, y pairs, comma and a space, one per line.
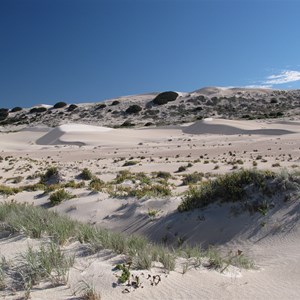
274, 247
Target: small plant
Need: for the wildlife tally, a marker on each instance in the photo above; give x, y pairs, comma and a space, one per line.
152, 213
192, 178
181, 169
86, 174
96, 184
50, 176
59, 196
125, 272
164, 175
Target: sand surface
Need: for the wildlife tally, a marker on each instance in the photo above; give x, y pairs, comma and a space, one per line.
211, 146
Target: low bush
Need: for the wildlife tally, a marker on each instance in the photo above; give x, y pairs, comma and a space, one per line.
192, 178
133, 109
16, 109
37, 110
59, 196
59, 105
86, 174
72, 107
164, 98
226, 188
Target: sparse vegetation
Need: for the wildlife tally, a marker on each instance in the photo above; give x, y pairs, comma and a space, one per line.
86, 174
226, 188
192, 178
59, 196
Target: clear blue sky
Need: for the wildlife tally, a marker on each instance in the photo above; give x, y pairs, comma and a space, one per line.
88, 50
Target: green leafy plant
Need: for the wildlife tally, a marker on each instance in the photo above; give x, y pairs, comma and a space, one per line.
125, 272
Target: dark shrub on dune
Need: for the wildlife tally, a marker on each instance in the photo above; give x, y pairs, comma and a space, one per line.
164, 98
72, 107
3, 113
148, 124
133, 109
116, 102
38, 110
127, 123
17, 108
100, 106
59, 105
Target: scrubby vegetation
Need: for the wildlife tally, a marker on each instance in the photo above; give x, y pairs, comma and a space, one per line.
59, 196
239, 186
86, 174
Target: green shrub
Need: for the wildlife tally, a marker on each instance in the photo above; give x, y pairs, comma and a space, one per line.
96, 184
49, 175
164, 175
59, 196
86, 174
192, 178
226, 188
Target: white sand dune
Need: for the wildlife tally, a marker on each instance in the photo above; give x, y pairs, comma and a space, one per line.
229, 127
54, 137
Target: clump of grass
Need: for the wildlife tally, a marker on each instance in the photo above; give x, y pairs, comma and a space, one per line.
152, 213
46, 263
37, 222
74, 185
226, 188
96, 184
8, 191
192, 178
86, 174
123, 175
59, 196
50, 176
163, 175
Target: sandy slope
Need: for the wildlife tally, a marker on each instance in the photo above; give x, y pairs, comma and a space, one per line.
274, 246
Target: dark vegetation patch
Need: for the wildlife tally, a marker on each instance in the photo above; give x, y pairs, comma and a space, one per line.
16, 109
164, 98
115, 102
72, 107
133, 109
59, 105
100, 106
251, 188
37, 110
